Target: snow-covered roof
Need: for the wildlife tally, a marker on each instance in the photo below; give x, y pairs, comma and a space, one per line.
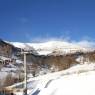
19, 61
4, 58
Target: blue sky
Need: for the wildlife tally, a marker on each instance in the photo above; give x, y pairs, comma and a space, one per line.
31, 20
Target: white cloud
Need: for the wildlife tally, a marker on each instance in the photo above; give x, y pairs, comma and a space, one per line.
85, 43
45, 39
82, 43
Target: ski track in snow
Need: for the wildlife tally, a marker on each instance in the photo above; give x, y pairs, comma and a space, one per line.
82, 84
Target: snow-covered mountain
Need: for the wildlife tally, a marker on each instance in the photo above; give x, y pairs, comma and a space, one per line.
76, 79
52, 46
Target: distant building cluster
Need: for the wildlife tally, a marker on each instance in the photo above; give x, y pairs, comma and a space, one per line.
7, 53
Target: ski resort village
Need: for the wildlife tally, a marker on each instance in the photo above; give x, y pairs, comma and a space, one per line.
47, 68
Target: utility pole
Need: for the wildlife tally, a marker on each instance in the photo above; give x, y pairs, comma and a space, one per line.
25, 71
24, 53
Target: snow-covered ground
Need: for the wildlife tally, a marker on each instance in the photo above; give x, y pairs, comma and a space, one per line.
4, 74
77, 80
5, 70
76, 84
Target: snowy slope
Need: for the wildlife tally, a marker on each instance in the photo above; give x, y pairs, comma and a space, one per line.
77, 80
49, 47
77, 84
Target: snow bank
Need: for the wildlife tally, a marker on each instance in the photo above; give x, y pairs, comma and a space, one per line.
82, 84
78, 80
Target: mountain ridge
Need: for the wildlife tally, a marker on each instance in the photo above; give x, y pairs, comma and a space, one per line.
48, 47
